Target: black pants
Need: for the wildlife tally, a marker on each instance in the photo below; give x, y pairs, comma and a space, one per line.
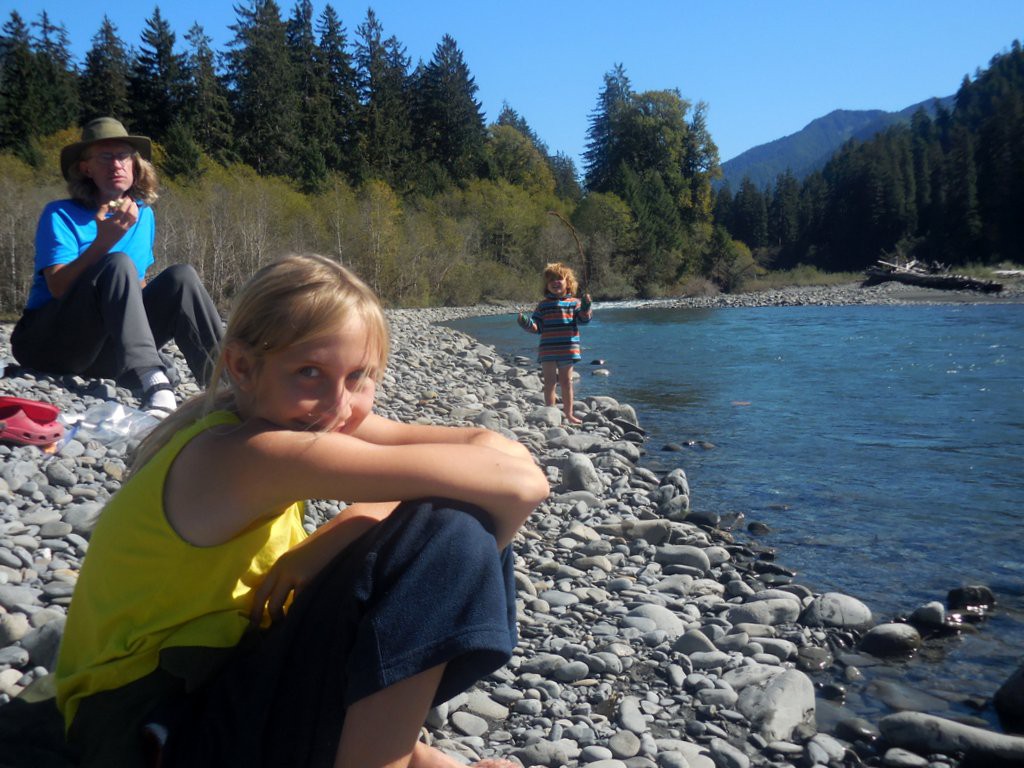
107, 324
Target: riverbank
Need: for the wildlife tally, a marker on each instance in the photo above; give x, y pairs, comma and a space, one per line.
651, 634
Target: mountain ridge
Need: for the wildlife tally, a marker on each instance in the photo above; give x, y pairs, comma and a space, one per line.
810, 148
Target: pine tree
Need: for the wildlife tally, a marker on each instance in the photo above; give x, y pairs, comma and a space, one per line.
207, 110
58, 80
513, 119
20, 108
567, 180
158, 82
601, 158
700, 165
266, 100
182, 156
315, 111
104, 83
385, 135
750, 215
784, 211
448, 121
342, 92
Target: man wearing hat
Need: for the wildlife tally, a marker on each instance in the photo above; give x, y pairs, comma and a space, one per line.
91, 310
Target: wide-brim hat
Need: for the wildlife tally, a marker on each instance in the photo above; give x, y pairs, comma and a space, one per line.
102, 129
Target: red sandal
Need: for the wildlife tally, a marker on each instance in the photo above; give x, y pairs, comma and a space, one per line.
29, 422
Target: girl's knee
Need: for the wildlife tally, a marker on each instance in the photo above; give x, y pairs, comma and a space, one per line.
463, 521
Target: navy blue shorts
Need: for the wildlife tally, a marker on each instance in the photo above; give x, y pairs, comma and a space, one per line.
426, 586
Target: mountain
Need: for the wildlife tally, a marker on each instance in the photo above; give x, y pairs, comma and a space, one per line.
809, 149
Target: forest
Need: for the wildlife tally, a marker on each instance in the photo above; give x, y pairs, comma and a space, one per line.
303, 137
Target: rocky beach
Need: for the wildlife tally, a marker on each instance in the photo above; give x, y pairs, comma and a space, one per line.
654, 633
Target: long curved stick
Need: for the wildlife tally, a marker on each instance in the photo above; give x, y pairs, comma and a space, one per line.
579, 247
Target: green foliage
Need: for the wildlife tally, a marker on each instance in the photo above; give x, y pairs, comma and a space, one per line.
207, 111
157, 81
447, 118
103, 87
609, 230
385, 127
264, 87
728, 262
515, 159
181, 155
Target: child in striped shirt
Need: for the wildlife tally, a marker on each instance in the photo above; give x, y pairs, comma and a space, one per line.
557, 319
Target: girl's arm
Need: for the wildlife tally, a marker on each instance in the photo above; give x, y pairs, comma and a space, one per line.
295, 569
382, 431
250, 473
584, 313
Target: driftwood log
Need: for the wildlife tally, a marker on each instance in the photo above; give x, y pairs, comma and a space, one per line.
911, 274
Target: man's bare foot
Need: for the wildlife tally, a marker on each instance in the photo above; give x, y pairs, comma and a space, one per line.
573, 419
494, 762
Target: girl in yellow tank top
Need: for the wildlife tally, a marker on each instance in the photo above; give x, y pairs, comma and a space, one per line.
204, 544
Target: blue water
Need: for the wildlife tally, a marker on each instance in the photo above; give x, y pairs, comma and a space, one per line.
883, 445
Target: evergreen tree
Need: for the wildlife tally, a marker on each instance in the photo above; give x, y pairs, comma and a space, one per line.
700, 166
448, 121
58, 80
182, 156
316, 116
513, 119
385, 135
601, 159
567, 181
341, 91
750, 215
722, 210
660, 230
207, 109
963, 222
157, 84
20, 107
784, 211
263, 86
104, 84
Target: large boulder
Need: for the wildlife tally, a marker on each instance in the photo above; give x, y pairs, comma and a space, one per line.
777, 705
928, 734
579, 474
776, 610
1009, 701
834, 609
889, 640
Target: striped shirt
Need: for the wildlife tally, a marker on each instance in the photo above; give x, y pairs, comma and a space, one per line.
556, 319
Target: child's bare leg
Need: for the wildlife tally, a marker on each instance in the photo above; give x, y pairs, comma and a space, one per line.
565, 382
382, 730
550, 372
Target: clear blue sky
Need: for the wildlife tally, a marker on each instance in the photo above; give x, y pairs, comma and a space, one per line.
766, 68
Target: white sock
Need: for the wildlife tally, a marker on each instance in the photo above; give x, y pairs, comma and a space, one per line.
161, 398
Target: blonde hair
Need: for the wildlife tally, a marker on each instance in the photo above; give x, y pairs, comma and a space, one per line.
83, 190
292, 300
564, 272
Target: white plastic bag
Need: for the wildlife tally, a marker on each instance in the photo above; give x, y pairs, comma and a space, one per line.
110, 423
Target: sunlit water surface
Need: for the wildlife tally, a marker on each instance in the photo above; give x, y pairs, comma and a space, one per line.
883, 445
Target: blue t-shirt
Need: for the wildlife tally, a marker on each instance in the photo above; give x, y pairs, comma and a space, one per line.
66, 229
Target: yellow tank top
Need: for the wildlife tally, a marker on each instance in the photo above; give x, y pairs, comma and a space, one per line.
143, 588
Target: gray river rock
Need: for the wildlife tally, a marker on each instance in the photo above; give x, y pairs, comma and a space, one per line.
650, 637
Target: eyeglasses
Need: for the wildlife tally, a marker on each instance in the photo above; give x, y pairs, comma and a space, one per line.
109, 158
